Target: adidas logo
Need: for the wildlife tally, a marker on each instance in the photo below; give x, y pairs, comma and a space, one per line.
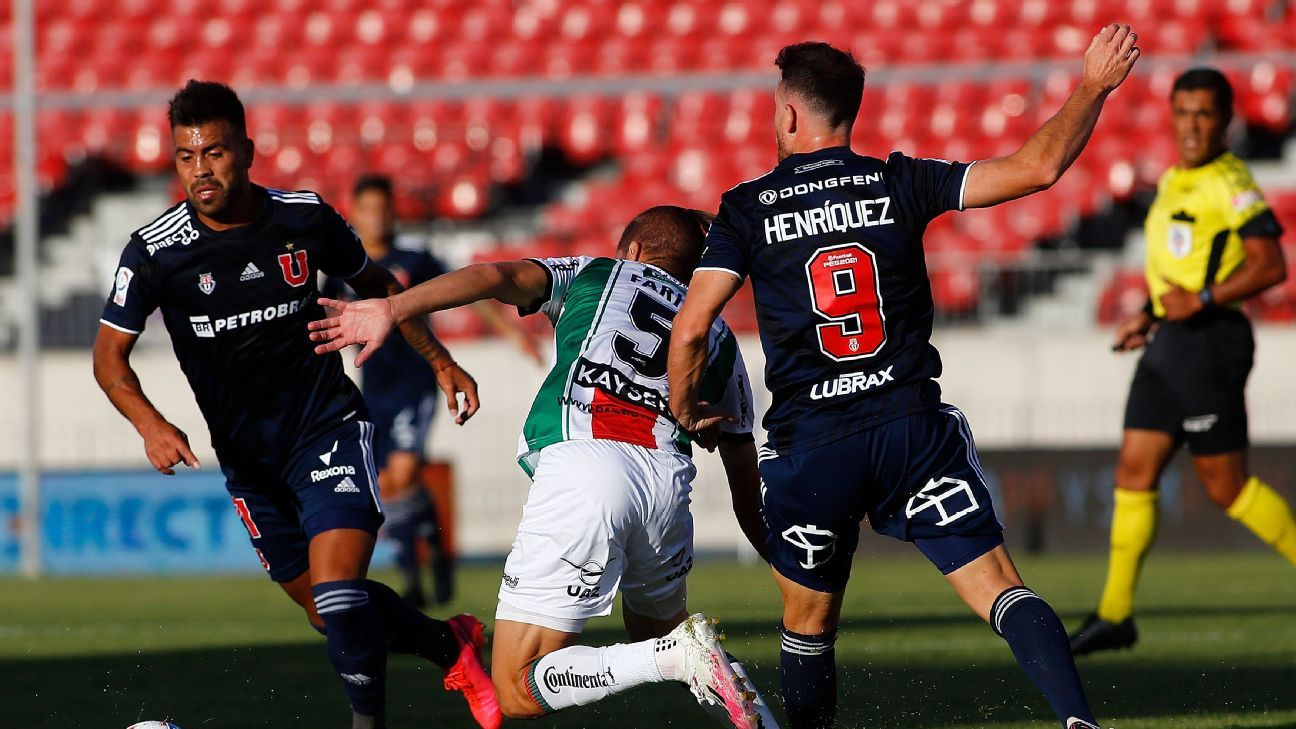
359, 679
346, 486
251, 272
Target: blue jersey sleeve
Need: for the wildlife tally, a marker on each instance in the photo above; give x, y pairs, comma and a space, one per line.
135, 292
344, 256
924, 188
728, 248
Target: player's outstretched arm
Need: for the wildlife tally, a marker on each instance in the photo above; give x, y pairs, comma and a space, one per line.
369, 322
165, 444
1052, 149
707, 295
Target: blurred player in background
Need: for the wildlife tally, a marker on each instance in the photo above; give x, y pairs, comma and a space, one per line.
1212, 243
232, 268
608, 509
833, 244
400, 392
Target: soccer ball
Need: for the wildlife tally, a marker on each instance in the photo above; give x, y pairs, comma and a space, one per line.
154, 725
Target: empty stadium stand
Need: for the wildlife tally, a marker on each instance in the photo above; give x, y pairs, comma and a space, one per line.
962, 80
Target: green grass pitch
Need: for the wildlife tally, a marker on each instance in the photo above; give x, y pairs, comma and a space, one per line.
1218, 649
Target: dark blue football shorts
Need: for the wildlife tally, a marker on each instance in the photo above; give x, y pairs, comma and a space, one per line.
329, 482
916, 478
402, 421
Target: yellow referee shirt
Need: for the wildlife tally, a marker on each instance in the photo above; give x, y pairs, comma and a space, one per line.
1197, 222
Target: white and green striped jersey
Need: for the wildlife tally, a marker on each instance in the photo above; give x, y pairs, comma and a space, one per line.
612, 322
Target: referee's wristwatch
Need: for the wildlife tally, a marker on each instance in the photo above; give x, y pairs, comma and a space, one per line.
1206, 298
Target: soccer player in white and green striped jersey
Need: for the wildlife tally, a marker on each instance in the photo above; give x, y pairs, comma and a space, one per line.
611, 470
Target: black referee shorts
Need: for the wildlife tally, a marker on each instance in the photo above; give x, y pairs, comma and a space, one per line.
1190, 382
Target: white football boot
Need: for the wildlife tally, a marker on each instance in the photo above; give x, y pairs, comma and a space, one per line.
711, 678
764, 717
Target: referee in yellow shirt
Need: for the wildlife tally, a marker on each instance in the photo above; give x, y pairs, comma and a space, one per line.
1212, 243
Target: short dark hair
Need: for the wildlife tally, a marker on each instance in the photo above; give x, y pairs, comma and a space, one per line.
372, 183
1210, 79
831, 80
669, 232
200, 102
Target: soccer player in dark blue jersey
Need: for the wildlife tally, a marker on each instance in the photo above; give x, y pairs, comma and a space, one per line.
832, 242
232, 268
400, 392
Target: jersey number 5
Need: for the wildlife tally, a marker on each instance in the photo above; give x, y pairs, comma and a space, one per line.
844, 290
650, 316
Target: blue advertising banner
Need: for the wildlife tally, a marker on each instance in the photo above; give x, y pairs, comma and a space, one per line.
133, 521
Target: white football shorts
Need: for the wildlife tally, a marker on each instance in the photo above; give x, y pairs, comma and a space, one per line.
601, 517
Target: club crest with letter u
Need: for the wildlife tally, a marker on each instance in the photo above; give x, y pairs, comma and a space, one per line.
293, 265
819, 544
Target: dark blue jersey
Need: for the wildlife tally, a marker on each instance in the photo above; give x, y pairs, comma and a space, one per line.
832, 242
236, 303
397, 369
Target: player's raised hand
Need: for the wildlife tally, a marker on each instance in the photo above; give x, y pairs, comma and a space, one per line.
1110, 57
166, 446
453, 379
367, 323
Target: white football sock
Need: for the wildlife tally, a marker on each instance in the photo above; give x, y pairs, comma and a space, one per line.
581, 675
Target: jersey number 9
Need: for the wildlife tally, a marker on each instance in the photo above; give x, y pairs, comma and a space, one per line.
844, 290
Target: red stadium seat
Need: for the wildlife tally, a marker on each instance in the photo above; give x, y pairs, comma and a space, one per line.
637, 120
1122, 297
669, 54
955, 289
583, 133
151, 145
358, 64
482, 23
573, 58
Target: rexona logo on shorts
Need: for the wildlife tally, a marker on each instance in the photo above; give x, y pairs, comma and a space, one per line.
207, 328
332, 471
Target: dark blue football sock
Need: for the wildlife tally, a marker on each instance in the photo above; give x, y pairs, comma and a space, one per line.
357, 645
1039, 643
808, 672
409, 630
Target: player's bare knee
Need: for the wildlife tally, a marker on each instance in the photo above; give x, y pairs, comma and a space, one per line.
809, 622
1224, 476
514, 697
1223, 491
1135, 474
